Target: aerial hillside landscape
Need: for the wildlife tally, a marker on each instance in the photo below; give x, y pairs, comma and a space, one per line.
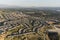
29, 19
30, 24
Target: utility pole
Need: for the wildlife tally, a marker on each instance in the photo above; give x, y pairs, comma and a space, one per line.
44, 35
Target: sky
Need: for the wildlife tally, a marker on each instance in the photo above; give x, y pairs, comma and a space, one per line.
31, 3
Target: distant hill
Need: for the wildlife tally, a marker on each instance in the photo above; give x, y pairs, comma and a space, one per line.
8, 6
38, 8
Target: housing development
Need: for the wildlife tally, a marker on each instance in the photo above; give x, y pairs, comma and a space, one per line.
30, 24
